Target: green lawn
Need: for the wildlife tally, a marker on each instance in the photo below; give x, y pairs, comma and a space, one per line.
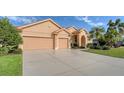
11, 65
114, 52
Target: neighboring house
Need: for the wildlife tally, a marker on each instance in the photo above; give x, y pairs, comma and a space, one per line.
47, 34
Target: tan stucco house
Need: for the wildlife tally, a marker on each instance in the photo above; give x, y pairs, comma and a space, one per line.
47, 34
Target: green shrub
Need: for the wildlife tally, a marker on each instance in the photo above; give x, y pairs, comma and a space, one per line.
17, 51
4, 51
89, 45
92, 46
97, 47
105, 47
12, 48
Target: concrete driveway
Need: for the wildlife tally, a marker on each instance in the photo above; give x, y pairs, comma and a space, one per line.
70, 63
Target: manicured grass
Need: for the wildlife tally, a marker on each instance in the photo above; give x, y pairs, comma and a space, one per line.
11, 65
114, 52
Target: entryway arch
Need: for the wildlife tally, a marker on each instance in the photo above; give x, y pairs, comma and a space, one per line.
83, 41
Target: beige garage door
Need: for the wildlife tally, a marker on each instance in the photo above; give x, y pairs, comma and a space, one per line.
37, 43
63, 43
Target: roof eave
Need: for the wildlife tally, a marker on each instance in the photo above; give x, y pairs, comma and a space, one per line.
38, 22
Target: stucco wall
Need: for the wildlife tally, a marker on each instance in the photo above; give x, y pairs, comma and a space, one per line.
63, 34
43, 29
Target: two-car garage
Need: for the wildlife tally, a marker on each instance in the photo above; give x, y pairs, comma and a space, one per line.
31, 43
44, 35
37, 43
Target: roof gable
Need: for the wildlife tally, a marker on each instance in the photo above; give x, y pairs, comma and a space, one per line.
39, 22
83, 30
72, 28
60, 30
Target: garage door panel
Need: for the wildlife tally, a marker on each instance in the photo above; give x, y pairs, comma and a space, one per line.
38, 43
63, 43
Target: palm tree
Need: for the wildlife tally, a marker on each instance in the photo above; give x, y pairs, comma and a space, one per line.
111, 37
97, 32
117, 25
114, 25
121, 28
113, 32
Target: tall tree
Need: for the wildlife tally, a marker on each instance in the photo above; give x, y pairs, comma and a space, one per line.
113, 32
121, 28
97, 32
9, 35
113, 25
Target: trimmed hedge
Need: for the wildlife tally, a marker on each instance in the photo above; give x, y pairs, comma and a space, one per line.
8, 50
4, 50
91, 46
105, 47
17, 51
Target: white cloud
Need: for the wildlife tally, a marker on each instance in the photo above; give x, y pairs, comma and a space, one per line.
88, 21
25, 20
12, 18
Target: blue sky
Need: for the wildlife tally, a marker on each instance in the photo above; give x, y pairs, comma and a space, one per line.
86, 22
